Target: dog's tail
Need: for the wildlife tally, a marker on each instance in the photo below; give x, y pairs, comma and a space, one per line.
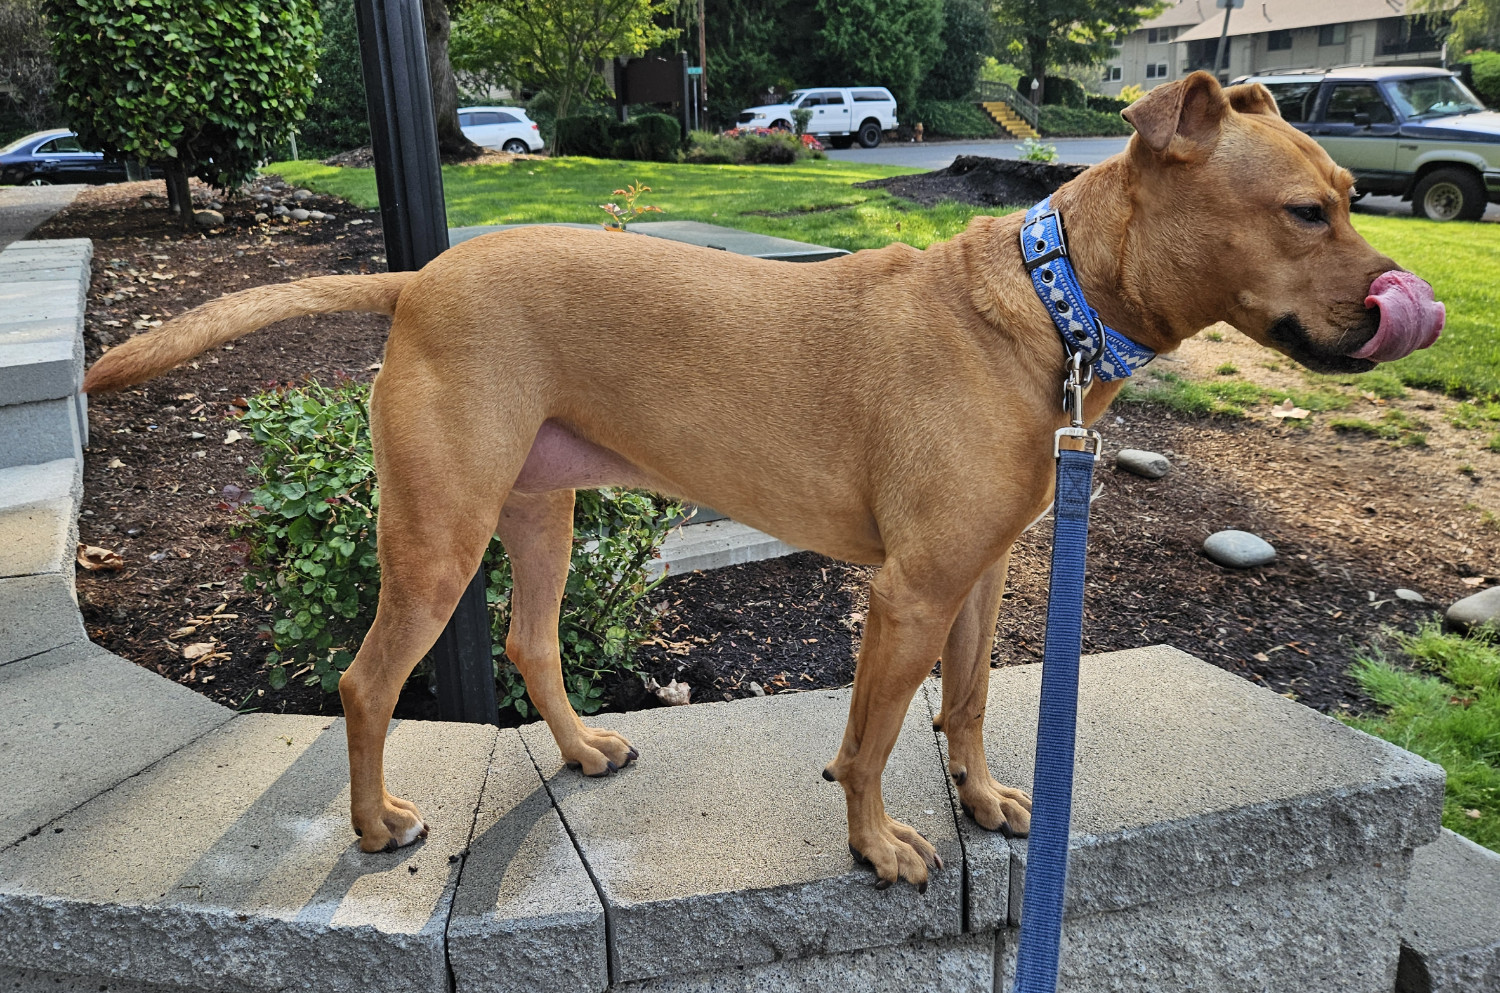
235, 315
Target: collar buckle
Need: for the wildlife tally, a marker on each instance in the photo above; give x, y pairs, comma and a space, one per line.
1058, 251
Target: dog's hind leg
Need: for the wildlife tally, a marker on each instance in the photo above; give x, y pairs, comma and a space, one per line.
444, 471
537, 531
903, 636
966, 679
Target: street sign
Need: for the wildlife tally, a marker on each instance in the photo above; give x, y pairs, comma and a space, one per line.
698, 70
1224, 4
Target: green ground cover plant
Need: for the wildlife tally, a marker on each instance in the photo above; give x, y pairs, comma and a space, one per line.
309, 525
1221, 398
1394, 426
1442, 701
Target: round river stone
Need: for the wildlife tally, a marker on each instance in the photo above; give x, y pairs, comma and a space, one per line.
1146, 464
1238, 549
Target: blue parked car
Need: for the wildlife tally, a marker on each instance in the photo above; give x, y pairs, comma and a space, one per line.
50, 157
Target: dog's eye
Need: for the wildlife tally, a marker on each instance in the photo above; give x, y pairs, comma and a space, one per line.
1310, 214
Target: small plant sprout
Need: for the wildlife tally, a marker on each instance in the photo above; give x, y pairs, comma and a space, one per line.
1035, 151
631, 211
1227, 369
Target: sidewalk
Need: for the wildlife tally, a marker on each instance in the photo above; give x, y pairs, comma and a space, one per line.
24, 208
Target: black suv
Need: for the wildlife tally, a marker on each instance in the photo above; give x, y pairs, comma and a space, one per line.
1415, 133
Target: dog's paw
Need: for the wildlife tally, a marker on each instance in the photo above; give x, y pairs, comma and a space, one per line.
396, 824
994, 807
598, 752
895, 851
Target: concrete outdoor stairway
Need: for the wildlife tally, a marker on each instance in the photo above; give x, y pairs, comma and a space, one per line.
1013, 124
1225, 839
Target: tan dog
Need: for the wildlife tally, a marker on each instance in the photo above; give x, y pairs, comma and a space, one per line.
897, 409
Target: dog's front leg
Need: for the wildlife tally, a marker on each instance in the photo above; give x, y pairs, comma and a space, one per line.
902, 637
966, 679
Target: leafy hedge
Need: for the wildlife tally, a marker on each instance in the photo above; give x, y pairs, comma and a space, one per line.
1485, 67
645, 138
952, 119
1078, 122
750, 148
310, 527
207, 88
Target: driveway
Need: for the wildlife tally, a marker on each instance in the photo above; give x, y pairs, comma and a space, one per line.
23, 208
1083, 151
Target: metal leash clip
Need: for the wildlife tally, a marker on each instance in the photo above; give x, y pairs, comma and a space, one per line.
1080, 376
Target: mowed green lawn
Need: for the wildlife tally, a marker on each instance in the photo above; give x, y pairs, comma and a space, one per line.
817, 202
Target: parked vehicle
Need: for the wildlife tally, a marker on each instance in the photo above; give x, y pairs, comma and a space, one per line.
505, 128
46, 158
840, 115
1416, 133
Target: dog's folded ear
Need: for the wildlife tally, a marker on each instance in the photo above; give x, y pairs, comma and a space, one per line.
1192, 108
1252, 98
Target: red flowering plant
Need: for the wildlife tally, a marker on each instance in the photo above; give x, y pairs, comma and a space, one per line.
811, 143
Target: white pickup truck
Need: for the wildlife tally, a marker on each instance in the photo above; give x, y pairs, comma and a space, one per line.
842, 115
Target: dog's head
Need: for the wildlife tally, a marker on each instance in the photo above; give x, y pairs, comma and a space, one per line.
1250, 224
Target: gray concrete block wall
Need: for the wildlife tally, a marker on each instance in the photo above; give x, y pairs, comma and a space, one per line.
43, 297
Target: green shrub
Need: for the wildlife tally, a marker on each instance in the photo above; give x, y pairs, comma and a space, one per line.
776, 148
1485, 67
647, 138
310, 527
1032, 150
1080, 122
584, 134
1105, 104
337, 118
951, 119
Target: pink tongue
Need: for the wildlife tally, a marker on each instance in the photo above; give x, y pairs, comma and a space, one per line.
1410, 318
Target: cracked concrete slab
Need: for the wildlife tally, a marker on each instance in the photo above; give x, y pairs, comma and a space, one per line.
230, 866
724, 847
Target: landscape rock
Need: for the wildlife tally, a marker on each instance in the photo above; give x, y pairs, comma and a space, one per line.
317, 215
301, 194
209, 218
261, 217
1239, 549
281, 210
1411, 596
1148, 465
1474, 611
300, 214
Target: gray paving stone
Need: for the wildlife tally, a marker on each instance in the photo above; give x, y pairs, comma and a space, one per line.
41, 431
37, 514
715, 545
42, 370
1329, 931
77, 720
947, 965
1191, 779
724, 847
1450, 926
40, 300
230, 865
526, 917
37, 614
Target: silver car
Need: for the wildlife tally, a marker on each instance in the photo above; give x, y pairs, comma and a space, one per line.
1416, 133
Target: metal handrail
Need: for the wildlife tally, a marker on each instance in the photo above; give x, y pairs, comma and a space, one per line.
988, 90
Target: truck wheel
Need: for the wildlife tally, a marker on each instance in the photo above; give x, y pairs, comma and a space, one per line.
781, 125
1449, 195
841, 141
869, 134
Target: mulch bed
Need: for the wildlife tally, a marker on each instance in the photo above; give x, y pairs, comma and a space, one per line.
1352, 520
982, 181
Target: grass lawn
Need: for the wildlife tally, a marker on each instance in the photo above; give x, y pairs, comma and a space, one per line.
1447, 710
812, 201
817, 202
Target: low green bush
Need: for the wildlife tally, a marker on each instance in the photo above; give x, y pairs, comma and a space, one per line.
309, 525
774, 148
1105, 104
584, 134
951, 119
1485, 70
1080, 122
647, 138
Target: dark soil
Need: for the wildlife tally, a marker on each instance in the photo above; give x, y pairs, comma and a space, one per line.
1353, 520
982, 181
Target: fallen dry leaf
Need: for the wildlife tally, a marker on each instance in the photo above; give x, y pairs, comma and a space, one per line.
1476, 580
1286, 409
232, 436
197, 649
674, 694
96, 559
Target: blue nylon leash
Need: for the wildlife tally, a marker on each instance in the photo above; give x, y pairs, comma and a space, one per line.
1093, 350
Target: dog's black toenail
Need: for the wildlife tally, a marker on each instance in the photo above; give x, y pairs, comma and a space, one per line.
633, 754
1005, 830
961, 776
358, 833
859, 857
390, 846
968, 810
423, 832
575, 765
882, 884
611, 765
922, 887
829, 776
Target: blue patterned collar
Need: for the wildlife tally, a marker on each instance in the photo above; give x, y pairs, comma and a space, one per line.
1045, 253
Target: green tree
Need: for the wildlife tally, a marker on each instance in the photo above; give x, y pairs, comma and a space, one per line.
1070, 32
26, 68
889, 43
205, 89
337, 118
1471, 25
556, 45
965, 41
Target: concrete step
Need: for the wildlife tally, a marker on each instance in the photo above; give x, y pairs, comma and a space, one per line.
38, 504
1450, 927
715, 545
77, 720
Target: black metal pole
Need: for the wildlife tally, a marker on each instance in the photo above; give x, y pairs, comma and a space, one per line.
409, 180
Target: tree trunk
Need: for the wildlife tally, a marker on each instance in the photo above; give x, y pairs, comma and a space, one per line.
451, 141
179, 195
1037, 49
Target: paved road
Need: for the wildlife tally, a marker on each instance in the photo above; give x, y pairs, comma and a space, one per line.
1084, 151
23, 208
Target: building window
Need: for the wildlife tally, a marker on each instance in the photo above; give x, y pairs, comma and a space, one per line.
1332, 34
1155, 36
1115, 74
1279, 41
1156, 70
